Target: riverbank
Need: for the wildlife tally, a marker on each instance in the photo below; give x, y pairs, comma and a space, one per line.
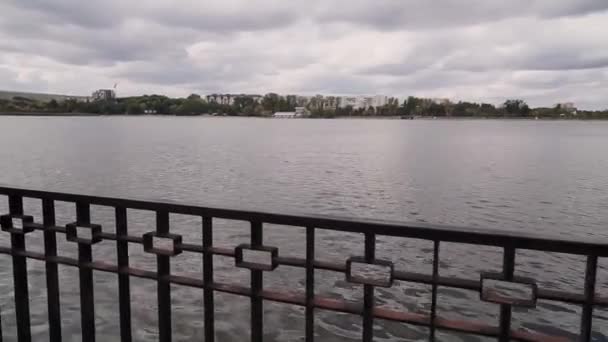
580, 118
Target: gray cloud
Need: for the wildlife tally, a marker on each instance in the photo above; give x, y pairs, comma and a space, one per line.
416, 15
14, 80
471, 49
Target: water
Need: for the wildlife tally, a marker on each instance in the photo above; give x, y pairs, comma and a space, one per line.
541, 176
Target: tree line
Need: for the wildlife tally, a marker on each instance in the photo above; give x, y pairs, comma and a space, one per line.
321, 107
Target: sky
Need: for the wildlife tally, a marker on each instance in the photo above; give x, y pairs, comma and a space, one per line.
542, 51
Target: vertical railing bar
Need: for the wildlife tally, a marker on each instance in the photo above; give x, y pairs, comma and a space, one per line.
0, 324
87, 299
434, 289
508, 269
310, 283
257, 306
15, 205
163, 263
22, 302
52, 278
208, 303
587, 314
368, 290
124, 290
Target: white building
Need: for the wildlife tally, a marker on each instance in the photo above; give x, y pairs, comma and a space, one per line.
330, 102
379, 100
362, 101
285, 115
228, 99
302, 111
345, 101
223, 99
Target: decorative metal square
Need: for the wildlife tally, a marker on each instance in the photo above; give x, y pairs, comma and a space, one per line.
245, 252
93, 230
378, 273
151, 240
520, 291
17, 224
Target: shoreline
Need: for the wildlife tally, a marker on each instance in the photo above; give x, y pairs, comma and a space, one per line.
427, 118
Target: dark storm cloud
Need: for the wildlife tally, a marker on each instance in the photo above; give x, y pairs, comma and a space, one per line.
480, 49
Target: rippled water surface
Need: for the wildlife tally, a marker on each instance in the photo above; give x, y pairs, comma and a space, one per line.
545, 177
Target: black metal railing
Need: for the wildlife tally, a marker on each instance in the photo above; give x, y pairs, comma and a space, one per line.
17, 224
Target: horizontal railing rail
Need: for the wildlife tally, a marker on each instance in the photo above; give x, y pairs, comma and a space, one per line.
18, 223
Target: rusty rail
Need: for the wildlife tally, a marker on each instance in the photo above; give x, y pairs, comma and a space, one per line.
17, 224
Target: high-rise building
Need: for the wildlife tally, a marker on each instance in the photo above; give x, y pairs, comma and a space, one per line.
103, 95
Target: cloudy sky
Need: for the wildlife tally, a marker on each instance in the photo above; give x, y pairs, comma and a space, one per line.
544, 51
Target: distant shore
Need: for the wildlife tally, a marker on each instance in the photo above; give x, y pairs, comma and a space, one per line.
46, 114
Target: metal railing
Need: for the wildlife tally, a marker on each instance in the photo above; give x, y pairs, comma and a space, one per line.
17, 224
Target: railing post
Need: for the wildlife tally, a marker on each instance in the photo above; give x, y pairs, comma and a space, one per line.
434, 290
163, 264
310, 284
257, 307
22, 301
124, 291
368, 290
208, 279
52, 279
85, 257
508, 268
587, 315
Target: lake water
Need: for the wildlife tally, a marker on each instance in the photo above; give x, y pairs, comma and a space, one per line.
542, 176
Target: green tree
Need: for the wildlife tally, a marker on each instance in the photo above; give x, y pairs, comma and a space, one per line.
134, 108
291, 101
344, 111
52, 105
411, 105
436, 109
270, 102
244, 105
516, 107
488, 109
191, 107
